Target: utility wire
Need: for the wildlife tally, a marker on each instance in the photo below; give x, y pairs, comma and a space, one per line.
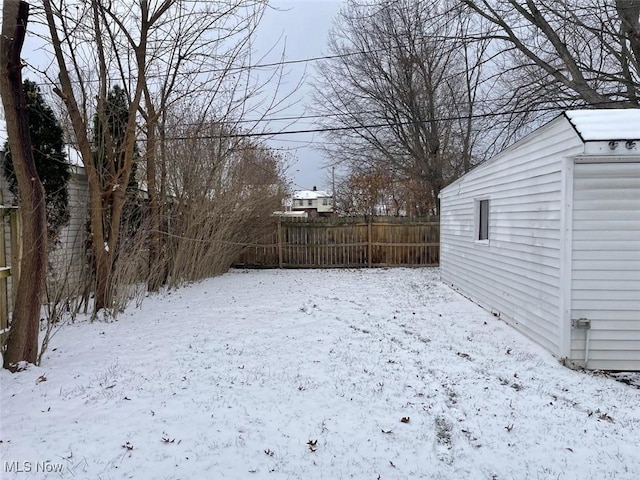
374, 125
280, 63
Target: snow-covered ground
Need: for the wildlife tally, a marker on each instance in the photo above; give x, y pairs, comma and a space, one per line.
363, 374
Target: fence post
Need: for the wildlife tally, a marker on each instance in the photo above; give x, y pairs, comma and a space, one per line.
369, 243
279, 243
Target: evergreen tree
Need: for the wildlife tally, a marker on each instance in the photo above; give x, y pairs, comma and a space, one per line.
109, 156
50, 158
109, 145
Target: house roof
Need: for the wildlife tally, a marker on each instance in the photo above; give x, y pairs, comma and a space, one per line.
310, 194
589, 125
74, 157
599, 125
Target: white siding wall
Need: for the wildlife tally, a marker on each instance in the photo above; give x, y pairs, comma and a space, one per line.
7, 199
518, 273
68, 262
606, 264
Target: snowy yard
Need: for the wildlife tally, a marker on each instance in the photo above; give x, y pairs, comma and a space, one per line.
363, 374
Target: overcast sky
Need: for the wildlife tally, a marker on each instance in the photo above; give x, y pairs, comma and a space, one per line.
300, 29
303, 26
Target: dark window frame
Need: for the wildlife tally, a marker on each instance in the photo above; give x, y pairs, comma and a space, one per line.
483, 220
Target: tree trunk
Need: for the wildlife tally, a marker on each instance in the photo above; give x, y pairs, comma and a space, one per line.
22, 342
104, 216
103, 297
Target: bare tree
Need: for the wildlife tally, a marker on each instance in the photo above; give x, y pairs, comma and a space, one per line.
224, 188
376, 193
159, 51
224, 28
22, 343
565, 53
398, 93
88, 35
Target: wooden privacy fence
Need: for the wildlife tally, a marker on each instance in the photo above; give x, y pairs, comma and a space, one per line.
7, 270
346, 242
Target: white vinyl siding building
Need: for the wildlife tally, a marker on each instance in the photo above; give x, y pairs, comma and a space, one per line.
314, 202
547, 234
605, 273
67, 261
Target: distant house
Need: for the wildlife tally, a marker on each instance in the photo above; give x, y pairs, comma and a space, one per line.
316, 203
546, 235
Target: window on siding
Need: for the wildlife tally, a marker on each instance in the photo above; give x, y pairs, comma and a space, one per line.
483, 220
300, 203
309, 202
325, 201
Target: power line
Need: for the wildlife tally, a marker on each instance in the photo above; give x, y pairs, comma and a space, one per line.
376, 125
315, 116
230, 70
258, 66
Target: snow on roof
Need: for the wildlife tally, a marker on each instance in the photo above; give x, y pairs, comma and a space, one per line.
73, 156
310, 194
3, 129
294, 213
598, 125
